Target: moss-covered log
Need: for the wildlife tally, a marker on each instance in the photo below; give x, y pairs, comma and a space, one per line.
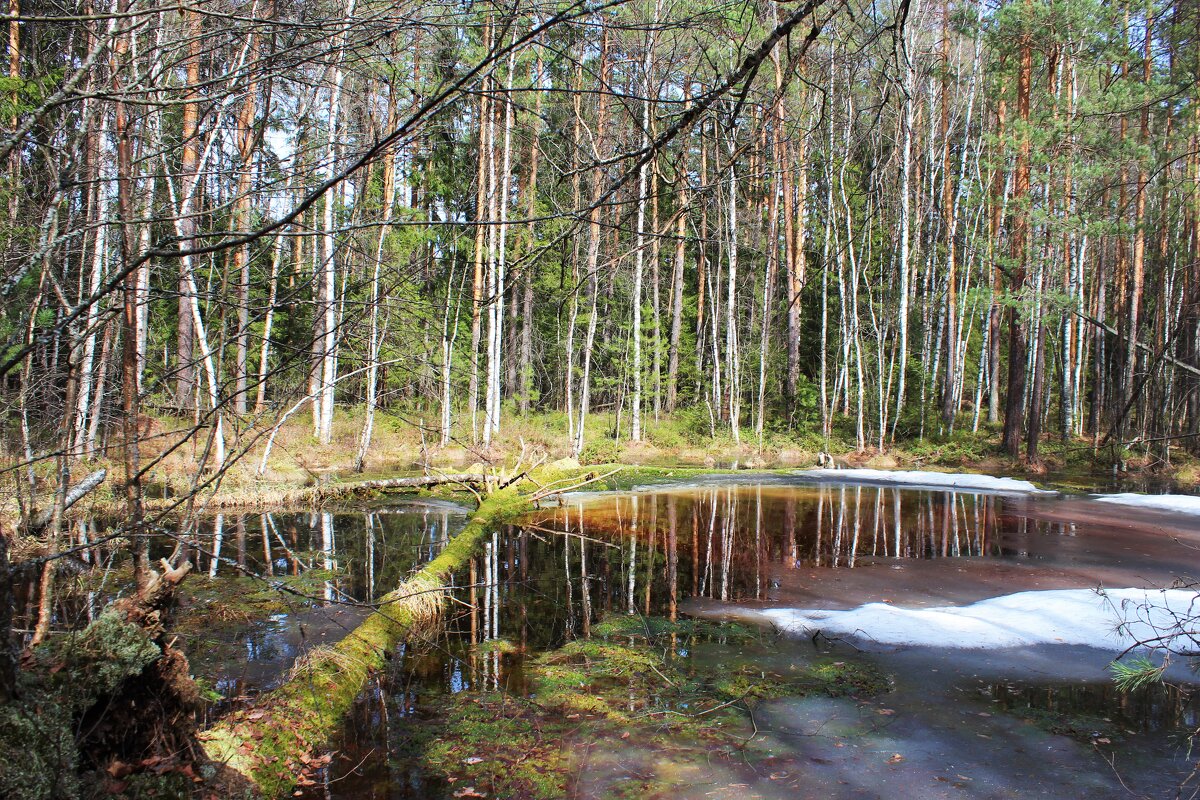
270, 743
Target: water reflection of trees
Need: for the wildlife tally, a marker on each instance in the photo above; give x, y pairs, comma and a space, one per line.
642, 553
358, 556
731, 542
1073, 707
364, 555
549, 578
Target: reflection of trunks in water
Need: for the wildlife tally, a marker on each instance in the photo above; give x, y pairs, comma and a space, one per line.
240, 631
847, 544
729, 536
365, 553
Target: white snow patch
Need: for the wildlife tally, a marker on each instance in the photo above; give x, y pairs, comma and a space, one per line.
1181, 503
921, 478
1108, 619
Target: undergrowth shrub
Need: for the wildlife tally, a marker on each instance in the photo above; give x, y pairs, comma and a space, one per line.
600, 451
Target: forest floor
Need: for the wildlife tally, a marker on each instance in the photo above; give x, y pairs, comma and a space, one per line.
407, 443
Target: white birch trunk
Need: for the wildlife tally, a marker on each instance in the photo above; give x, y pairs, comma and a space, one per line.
264, 355
99, 252
328, 273
731, 333
906, 147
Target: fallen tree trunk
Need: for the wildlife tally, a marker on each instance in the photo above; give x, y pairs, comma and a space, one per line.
270, 743
422, 481
326, 492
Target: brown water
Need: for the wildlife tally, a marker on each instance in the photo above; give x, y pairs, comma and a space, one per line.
837, 546
1042, 721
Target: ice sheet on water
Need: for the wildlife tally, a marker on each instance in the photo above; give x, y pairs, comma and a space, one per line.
1109, 619
1181, 503
926, 479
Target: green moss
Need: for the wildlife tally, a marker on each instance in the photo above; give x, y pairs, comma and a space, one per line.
600, 451
37, 749
72, 672
607, 660
100, 656
478, 736
841, 678
827, 678
633, 625
631, 682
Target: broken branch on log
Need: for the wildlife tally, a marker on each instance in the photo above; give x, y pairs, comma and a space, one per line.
74, 495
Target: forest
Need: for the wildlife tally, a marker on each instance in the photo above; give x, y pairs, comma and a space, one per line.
257, 246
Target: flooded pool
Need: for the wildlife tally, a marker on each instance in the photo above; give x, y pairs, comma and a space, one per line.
328, 570
552, 589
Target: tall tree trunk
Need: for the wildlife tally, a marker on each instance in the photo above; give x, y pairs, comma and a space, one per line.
327, 276
1071, 283
449, 334
732, 355
129, 386
826, 245
795, 221
498, 260
594, 233
677, 270
373, 336
950, 223
906, 167
1138, 278
99, 214
185, 367
247, 139
702, 278
482, 215
995, 220
772, 268
525, 360
639, 256
576, 199
1014, 411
